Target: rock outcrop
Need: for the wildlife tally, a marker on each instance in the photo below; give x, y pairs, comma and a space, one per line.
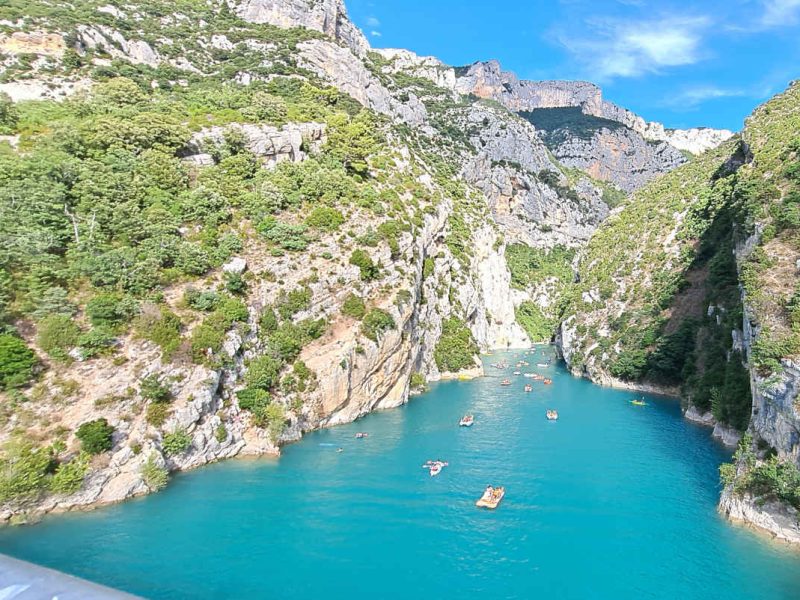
349, 74
40, 43
618, 155
778, 520
426, 67
274, 145
510, 168
113, 43
326, 16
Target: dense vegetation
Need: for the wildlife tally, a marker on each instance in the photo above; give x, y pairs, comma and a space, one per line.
538, 271
456, 348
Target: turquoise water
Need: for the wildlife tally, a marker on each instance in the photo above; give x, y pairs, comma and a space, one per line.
611, 501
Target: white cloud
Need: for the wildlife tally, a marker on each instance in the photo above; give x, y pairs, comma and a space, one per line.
373, 21
693, 97
374, 33
633, 48
780, 12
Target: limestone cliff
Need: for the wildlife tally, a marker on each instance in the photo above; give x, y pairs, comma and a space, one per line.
488, 80
604, 140
326, 16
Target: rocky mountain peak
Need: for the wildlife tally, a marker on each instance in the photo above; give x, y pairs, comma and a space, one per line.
488, 80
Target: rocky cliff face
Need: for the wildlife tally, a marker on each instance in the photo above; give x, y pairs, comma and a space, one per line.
617, 146
488, 80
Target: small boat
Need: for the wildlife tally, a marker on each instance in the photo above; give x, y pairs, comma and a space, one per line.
528, 375
505, 382
517, 372
543, 365
491, 497
500, 365
435, 466
361, 435
537, 377
524, 363
639, 402
466, 421
547, 381
552, 415
528, 387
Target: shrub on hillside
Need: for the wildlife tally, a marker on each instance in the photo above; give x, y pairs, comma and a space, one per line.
69, 477
155, 476
368, 269
325, 218
151, 388
375, 323
176, 442
354, 306
95, 436
23, 470
56, 335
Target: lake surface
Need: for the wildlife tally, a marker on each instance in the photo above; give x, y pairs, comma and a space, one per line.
611, 501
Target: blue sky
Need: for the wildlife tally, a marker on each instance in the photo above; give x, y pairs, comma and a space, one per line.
686, 64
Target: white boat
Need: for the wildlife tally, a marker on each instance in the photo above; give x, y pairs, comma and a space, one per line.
435, 466
466, 421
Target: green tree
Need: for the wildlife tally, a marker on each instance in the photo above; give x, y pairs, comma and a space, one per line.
23, 470
352, 140
154, 475
375, 323
57, 334
69, 477
8, 114
354, 306
16, 362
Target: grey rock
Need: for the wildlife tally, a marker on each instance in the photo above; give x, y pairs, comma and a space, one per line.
620, 156
327, 16
236, 265
272, 144
349, 74
488, 80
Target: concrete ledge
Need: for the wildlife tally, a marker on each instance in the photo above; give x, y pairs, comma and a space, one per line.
20, 580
